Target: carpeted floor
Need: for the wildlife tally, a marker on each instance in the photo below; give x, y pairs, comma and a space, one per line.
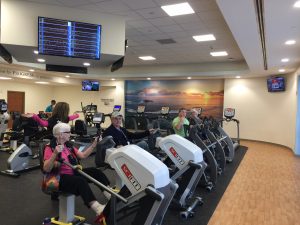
22, 201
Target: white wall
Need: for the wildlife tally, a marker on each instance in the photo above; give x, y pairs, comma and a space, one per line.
263, 116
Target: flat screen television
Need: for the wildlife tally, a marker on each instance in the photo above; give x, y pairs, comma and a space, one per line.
68, 38
89, 85
276, 84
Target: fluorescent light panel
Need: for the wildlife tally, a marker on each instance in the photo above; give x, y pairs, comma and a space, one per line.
206, 37
41, 82
147, 58
221, 53
281, 70
5, 78
297, 4
285, 60
178, 9
290, 42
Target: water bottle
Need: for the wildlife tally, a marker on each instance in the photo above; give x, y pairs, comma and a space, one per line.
47, 221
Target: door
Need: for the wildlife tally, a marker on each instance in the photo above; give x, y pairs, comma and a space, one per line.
15, 103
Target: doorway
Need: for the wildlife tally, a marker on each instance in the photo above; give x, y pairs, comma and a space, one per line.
16, 103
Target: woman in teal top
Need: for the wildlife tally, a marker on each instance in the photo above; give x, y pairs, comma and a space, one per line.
179, 122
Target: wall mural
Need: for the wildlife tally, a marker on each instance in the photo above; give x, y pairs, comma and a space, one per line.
208, 94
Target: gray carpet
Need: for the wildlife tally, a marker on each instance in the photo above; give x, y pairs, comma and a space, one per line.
22, 201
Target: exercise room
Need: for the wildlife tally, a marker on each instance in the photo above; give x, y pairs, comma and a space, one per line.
149, 112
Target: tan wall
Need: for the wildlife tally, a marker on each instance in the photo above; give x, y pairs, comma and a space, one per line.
108, 90
37, 97
263, 116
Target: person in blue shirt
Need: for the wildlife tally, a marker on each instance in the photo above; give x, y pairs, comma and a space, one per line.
49, 108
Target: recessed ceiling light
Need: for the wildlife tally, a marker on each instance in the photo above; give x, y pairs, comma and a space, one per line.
189, 78
147, 58
285, 60
41, 82
297, 4
36, 52
222, 53
86, 64
41, 60
206, 37
237, 77
31, 70
67, 76
281, 70
148, 78
113, 79
178, 9
290, 42
5, 78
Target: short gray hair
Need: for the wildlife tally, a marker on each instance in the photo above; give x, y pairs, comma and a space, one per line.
61, 127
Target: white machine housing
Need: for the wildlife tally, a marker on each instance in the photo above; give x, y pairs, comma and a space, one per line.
4, 117
180, 150
17, 163
137, 168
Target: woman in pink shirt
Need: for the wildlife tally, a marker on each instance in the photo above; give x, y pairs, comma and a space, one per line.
70, 181
60, 114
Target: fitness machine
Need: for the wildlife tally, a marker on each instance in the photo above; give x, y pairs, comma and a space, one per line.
164, 123
117, 108
144, 176
229, 114
188, 160
4, 117
19, 162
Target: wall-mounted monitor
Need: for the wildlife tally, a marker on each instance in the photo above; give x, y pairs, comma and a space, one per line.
89, 85
117, 108
276, 84
68, 38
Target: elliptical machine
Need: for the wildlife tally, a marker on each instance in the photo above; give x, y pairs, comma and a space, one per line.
229, 114
143, 180
189, 168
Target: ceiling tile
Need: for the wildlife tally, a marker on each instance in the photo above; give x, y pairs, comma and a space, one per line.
163, 21
139, 4
151, 13
72, 3
111, 6
172, 28
139, 23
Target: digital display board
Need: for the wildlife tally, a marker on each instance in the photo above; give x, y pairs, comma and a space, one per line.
68, 38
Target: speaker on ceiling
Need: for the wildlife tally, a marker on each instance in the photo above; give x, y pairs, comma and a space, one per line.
5, 54
66, 69
119, 63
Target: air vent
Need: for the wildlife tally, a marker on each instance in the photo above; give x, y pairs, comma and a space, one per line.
166, 41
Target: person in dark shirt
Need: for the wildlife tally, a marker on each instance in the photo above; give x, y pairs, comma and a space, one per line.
194, 118
123, 137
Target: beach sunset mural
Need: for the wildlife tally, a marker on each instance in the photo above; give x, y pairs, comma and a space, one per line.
208, 94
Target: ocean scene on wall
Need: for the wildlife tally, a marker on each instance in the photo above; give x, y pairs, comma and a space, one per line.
176, 94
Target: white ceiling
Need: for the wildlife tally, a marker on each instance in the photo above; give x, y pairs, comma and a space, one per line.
146, 23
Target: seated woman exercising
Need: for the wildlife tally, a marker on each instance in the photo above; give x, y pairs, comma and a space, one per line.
70, 181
